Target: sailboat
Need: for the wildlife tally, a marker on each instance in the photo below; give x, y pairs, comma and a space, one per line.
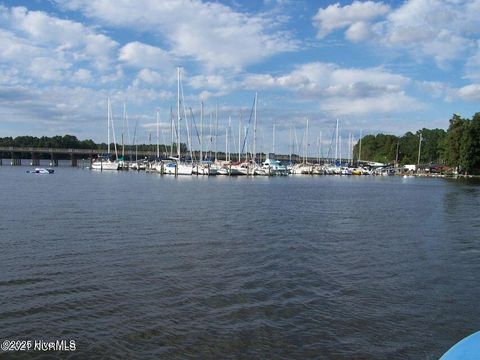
176, 167
104, 162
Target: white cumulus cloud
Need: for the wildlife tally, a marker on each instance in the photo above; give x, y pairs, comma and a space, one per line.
209, 32
342, 90
353, 16
142, 55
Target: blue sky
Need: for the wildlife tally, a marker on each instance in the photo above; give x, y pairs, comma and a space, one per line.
391, 66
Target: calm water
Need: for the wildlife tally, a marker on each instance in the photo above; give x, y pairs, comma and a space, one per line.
135, 265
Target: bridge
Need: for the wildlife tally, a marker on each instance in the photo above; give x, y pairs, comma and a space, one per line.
16, 154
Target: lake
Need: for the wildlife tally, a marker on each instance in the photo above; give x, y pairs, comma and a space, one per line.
135, 265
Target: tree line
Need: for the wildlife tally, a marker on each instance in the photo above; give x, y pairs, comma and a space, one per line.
71, 142
457, 147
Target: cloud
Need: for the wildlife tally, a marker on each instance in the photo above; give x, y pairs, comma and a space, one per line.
436, 89
38, 30
211, 33
353, 17
48, 68
148, 76
472, 66
82, 76
40, 49
383, 103
358, 31
469, 92
431, 28
142, 55
342, 90
442, 30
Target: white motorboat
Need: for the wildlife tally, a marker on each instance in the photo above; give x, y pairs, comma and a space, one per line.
41, 171
274, 167
183, 169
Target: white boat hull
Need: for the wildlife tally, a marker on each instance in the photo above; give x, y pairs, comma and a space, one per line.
182, 169
105, 165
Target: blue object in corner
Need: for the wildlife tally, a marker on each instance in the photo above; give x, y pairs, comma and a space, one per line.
466, 349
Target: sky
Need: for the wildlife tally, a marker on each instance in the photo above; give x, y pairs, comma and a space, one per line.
376, 66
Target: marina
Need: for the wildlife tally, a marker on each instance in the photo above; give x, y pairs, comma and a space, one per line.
282, 266
198, 179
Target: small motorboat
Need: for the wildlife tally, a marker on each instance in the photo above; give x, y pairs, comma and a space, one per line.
41, 171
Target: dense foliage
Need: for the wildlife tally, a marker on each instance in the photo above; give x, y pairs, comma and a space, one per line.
458, 147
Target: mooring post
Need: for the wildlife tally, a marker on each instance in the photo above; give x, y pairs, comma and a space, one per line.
35, 160
74, 160
15, 161
53, 161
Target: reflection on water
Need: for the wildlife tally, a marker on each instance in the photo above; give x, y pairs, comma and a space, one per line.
137, 265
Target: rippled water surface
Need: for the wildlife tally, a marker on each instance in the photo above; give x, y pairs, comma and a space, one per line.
134, 265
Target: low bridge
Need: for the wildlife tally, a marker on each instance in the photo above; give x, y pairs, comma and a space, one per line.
16, 154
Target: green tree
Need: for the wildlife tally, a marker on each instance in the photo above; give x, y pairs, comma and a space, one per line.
453, 142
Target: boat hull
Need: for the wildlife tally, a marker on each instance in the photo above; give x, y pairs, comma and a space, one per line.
105, 165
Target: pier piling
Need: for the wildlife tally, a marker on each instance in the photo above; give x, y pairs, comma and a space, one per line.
35, 160
16, 161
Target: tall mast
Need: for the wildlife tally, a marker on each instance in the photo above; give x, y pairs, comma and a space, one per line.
419, 148
360, 147
291, 141
108, 126
340, 148
123, 130
255, 129
134, 142
113, 133
178, 113
226, 139
158, 136
239, 135
306, 142
336, 142
128, 125
320, 147
201, 132
216, 129
318, 150
171, 132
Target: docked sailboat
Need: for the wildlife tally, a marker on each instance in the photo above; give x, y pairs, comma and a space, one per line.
104, 162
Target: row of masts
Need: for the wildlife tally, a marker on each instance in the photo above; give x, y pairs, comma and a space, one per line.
175, 129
